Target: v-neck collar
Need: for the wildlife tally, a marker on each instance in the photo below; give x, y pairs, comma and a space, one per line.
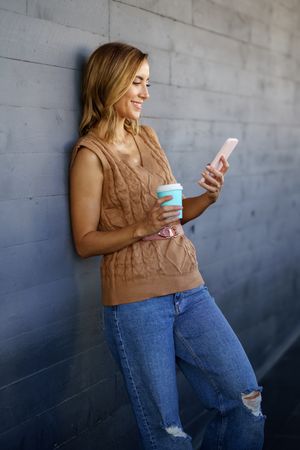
115, 153
142, 165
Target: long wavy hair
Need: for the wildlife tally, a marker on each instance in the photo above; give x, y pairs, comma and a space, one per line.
109, 72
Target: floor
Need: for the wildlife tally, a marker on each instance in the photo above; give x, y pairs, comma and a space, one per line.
281, 402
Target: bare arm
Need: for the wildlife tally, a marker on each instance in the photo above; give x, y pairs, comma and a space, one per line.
86, 180
194, 206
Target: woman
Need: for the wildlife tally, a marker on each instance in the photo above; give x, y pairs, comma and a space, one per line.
157, 308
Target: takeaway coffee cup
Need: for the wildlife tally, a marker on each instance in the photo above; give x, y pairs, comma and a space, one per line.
171, 189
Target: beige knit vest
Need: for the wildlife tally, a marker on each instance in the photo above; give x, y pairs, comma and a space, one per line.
146, 268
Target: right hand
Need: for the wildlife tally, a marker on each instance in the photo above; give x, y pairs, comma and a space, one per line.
160, 216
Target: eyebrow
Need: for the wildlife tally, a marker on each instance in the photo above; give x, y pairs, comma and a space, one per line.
141, 78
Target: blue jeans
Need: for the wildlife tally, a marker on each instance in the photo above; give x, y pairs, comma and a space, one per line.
149, 337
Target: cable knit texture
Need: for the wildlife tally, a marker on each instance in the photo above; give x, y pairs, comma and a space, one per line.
146, 268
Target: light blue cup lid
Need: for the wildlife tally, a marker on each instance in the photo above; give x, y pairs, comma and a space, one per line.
169, 187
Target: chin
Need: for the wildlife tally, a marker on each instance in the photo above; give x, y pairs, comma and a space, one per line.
134, 116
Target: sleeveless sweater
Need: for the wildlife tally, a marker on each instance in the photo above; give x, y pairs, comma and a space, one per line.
146, 268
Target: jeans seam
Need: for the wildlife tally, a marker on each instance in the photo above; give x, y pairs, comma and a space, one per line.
122, 347
196, 358
219, 395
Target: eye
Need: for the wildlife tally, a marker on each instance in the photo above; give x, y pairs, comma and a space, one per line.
139, 82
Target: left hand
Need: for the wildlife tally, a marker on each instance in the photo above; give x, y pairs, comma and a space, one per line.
214, 179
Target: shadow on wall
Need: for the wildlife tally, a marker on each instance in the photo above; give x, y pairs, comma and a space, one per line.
57, 377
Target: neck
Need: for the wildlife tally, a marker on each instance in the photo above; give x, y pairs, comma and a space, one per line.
120, 132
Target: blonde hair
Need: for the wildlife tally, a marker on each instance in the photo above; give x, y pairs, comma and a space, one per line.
108, 74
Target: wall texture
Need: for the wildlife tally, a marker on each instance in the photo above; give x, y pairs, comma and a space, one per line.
219, 68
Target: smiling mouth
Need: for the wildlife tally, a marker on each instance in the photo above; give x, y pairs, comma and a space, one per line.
138, 105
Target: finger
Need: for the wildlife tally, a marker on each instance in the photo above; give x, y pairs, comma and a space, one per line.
225, 165
166, 198
213, 171
208, 187
171, 219
173, 208
211, 179
220, 179
217, 175
166, 215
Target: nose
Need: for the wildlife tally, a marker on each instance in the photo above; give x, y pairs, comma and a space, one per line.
145, 93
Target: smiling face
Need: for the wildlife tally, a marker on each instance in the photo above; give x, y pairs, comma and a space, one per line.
130, 104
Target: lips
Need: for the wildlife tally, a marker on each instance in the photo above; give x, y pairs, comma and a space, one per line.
138, 105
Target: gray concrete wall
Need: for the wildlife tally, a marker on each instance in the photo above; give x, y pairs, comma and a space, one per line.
219, 68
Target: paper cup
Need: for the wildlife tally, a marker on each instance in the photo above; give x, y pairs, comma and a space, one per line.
171, 189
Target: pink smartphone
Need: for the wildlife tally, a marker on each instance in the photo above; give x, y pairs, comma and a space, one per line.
226, 150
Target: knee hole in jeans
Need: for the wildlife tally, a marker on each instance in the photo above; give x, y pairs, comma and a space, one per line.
176, 431
252, 401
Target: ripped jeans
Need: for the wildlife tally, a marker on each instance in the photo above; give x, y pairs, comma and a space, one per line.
148, 338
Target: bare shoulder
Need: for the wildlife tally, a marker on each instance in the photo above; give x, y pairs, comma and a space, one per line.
86, 159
